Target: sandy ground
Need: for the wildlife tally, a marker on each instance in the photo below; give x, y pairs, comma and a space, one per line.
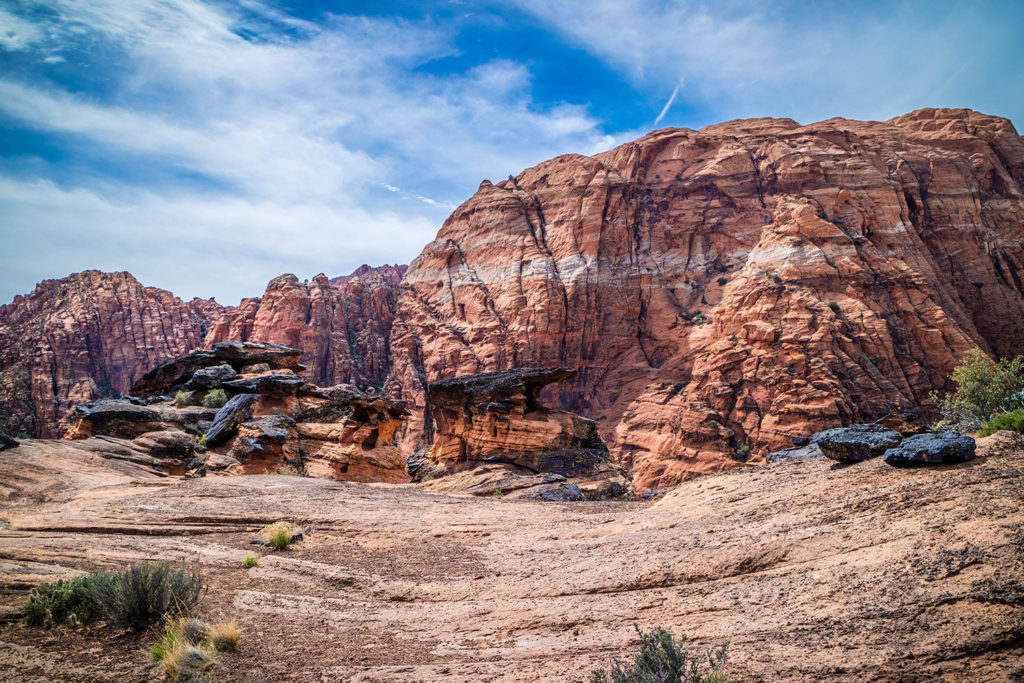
812, 571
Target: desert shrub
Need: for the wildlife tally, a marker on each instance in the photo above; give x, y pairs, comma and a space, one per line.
775, 277
62, 601
498, 494
834, 306
215, 399
194, 630
985, 388
187, 661
250, 561
1014, 421
663, 659
142, 594
166, 643
279, 535
742, 451
224, 636
182, 399
280, 540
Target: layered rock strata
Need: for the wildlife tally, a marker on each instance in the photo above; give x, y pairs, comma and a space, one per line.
341, 326
83, 337
494, 426
722, 291
274, 421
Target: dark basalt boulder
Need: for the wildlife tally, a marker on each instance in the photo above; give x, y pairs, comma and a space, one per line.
262, 435
161, 379
212, 377
931, 449
271, 385
795, 454
241, 354
7, 442
856, 442
495, 388
234, 412
118, 417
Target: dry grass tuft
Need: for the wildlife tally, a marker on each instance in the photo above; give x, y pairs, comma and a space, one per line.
224, 636
279, 534
185, 660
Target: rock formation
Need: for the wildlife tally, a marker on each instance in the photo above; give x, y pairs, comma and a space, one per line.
494, 425
340, 325
273, 421
724, 290
87, 336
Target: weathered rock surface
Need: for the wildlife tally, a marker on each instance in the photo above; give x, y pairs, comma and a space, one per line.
87, 336
277, 423
856, 442
341, 325
931, 449
733, 286
811, 572
498, 418
796, 454
7, 442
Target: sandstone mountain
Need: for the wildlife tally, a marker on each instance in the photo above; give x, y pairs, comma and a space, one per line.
724, 290
91, 335
86, 336
341, 325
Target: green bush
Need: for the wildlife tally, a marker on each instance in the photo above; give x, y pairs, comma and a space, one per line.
663, 659
834, 306
985, 388
142, 594
250, 561
63, 601
182, 399
1013, 421
215, 399
280, 540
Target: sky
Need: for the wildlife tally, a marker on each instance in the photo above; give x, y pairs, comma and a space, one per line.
207, 147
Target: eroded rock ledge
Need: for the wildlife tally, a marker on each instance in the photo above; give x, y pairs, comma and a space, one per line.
493, 434
274, 421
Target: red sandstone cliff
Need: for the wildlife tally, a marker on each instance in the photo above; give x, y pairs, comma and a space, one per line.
731, 287
340, 325
87, 336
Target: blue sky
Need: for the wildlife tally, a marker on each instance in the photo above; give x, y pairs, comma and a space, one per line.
209, 146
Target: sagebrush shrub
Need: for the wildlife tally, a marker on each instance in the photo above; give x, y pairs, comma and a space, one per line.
663, 659
142, 594
182, 399
215, 399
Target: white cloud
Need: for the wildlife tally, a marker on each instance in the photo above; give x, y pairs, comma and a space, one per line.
806, 60
299, 133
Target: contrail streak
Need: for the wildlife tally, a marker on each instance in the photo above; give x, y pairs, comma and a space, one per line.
666, 107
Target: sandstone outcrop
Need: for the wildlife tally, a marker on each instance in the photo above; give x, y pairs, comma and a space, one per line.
341, 326
722, 291
87, 336
494, 426
274, 420
812, 572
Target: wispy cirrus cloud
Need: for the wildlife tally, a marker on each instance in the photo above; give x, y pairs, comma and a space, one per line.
809, 61
254, 136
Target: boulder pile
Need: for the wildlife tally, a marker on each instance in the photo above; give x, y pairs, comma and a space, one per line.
241, 408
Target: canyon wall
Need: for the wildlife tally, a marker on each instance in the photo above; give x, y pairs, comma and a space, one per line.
341, 325
87, 336
724, 290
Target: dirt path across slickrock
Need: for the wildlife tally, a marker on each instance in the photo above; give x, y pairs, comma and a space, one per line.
812, 571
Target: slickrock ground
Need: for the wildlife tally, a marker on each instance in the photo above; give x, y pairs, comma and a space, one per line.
341, 325
813, 571
733, 286
87, 336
